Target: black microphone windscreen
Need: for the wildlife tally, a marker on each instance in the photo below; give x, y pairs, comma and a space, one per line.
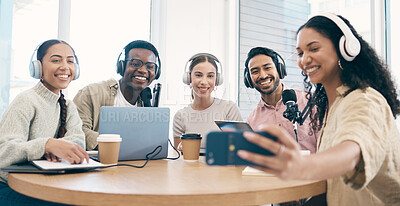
288, 95
146, 96
146, 93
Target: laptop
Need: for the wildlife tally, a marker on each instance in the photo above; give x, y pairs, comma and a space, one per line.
142, 130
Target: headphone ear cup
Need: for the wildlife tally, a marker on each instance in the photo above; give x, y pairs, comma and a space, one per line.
281, 71
158, 74
120, 67
247, 79
219, 80
352, 46
77, 71
349, 48
35, 69
186, 78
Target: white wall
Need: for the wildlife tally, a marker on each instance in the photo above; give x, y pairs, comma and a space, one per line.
182, 28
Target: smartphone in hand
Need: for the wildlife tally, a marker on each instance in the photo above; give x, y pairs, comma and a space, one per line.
222, 147
233, 126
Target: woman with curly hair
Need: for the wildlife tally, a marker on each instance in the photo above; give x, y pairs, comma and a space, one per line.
356, 99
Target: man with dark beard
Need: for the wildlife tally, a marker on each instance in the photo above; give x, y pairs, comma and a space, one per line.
263, 72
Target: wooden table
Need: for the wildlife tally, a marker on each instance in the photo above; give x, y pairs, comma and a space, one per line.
164, 182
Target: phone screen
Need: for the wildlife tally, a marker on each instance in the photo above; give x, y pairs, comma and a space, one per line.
232, 126
222, 147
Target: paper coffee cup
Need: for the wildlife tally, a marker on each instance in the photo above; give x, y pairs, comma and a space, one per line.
109, 148
191, 146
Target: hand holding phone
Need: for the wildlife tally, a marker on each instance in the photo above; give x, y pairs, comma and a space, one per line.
222, 147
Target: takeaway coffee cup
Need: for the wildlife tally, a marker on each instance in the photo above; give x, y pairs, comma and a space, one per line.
191, 146
109, 148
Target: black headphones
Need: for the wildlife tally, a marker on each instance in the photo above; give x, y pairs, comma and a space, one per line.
280, 67
121, 64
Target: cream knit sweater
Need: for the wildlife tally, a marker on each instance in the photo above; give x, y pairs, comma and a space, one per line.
30, 120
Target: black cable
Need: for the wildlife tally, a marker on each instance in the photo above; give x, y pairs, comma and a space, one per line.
149, 158
173, 158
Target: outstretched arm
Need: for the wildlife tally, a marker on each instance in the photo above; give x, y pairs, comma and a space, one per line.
288, 163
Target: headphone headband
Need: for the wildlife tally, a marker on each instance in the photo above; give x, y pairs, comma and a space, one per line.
186, 75
36, 68
121, 63
349, 45
280, 65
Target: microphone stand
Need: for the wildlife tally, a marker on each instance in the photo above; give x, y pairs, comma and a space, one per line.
156, 95
295, 125
292, 113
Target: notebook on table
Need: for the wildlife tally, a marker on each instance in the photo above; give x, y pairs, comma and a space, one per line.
142, 130
47, 167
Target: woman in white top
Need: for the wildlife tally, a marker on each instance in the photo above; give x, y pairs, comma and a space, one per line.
203, 75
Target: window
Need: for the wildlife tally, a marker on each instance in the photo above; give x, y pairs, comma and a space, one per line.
99, 33
33, 22
274, 24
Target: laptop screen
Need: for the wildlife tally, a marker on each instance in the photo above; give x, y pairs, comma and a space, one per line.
142, 130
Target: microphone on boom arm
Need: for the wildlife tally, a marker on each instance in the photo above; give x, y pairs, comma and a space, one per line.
292, 112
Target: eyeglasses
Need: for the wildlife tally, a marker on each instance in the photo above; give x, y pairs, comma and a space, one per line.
137, 63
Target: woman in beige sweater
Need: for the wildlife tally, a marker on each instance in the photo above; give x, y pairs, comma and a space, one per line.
40, 123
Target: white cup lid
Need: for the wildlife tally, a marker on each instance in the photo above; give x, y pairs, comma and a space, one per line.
109, 138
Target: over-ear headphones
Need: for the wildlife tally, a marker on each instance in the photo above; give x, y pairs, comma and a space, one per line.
121, 63
280, 67
36, 68
186, 74
349, 45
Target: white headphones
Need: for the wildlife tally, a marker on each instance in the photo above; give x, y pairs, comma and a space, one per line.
218, 79
349, 45
36, 68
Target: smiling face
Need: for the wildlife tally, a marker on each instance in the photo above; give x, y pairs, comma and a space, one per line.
59, 67
264, 74
317, 57
139, 78
203, 78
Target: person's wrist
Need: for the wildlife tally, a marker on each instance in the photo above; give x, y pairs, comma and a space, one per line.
47, 147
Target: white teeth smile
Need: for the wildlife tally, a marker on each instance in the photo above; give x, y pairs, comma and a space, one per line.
203, 89
62, 76
312, 69
140, 78
266, 82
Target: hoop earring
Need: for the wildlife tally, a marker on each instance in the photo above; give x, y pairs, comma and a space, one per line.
340, 66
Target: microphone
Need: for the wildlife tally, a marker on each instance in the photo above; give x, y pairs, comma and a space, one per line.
156, 94
146, 96
292, 112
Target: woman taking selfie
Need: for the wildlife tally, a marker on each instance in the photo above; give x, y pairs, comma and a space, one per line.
359, 143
